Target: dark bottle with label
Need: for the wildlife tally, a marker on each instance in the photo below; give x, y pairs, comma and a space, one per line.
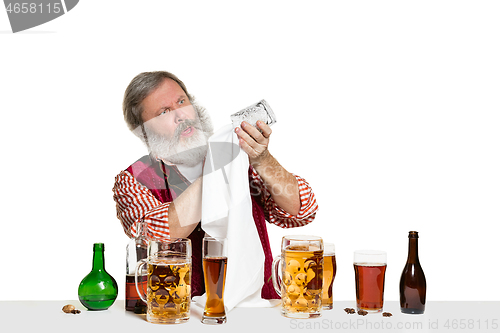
412, 286
136, 251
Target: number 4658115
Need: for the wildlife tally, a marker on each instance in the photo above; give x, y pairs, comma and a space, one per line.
32, 8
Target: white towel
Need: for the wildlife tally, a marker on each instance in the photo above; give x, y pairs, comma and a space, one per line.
227, 212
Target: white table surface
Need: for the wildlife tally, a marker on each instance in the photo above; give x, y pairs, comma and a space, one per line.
32, 316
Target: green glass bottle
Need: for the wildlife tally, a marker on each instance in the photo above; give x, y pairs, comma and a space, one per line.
98, 290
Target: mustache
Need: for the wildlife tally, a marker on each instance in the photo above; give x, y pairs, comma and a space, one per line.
195, 123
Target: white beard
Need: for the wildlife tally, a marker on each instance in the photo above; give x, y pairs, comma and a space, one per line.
188, 152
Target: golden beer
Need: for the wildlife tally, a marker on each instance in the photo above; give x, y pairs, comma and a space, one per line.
302, 287
329, 272
169, 290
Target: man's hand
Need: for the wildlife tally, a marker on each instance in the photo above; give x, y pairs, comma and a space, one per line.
253, 142
281, 184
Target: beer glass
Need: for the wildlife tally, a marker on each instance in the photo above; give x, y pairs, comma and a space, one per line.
168, 295
214, 272
369, 270
251, 114
329, 272
300, 283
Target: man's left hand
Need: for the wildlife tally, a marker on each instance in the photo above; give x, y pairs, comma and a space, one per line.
253, 142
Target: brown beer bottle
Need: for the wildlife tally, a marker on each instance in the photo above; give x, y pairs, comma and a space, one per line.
412, 286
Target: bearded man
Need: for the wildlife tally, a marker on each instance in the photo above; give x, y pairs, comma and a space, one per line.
163, 189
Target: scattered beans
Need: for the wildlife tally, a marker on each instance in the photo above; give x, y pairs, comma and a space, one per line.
364, 313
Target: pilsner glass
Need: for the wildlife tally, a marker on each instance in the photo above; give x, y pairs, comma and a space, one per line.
251, 114
214, 271
369, 269
329, 272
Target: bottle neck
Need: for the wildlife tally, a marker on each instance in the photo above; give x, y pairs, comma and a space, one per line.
413, 250
98, 260
141, 238
141, 229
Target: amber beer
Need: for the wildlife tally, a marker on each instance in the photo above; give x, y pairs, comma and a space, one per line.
214, 271
329, 272
169, 290
369, 269
369, 287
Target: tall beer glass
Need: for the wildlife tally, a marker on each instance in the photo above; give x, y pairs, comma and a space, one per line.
214, 272
300, 283
369, 270
329, 272
168, 296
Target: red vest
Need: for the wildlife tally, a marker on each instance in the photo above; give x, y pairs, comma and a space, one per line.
167, 183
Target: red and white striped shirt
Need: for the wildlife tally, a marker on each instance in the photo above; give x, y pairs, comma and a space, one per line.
135, 201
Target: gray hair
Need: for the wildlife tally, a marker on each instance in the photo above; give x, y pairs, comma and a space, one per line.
138, 89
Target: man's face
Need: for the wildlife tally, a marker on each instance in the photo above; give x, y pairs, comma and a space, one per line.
173, 128
167, 108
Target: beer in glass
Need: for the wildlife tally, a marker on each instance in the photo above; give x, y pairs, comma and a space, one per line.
214, 272
329, 272
300, 283
168, 295
369, 270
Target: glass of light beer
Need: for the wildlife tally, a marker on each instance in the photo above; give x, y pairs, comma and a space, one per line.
329, 272
369, 270
168, 295
214, 272
300, 283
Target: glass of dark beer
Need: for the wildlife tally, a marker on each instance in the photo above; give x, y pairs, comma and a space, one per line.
214, 272
369, 269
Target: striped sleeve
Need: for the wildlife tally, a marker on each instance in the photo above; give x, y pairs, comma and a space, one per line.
134, 202
276, 215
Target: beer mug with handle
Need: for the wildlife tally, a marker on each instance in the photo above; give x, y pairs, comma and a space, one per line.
168, 296
300, 283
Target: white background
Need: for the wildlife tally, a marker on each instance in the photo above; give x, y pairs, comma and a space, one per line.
389, 109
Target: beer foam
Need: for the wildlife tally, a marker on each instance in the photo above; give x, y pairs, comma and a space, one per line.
303, 248
169, 261
369, 264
